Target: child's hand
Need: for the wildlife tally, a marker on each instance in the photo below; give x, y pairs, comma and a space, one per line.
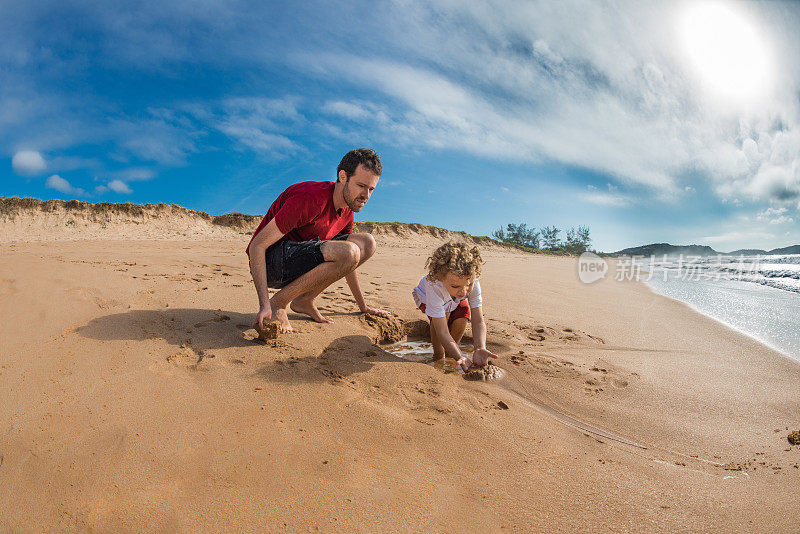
481, 357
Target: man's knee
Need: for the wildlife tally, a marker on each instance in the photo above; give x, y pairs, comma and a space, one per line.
345, 252
366, 244
353, 255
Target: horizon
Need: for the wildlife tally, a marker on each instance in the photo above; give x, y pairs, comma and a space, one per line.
672, 122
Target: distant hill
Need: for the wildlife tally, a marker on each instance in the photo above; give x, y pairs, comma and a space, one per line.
661, 249
794, 249
748, 252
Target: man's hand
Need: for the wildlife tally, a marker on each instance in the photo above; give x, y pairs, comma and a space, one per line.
481, 357
465, 363
264, 313
376, 311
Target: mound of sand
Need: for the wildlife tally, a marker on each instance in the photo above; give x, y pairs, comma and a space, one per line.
490, 372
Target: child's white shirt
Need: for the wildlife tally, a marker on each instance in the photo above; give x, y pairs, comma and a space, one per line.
438, 301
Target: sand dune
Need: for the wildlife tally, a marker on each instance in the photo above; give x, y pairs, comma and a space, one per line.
134, 396
31, 219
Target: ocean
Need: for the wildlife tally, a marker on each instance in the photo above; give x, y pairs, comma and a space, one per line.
757, 295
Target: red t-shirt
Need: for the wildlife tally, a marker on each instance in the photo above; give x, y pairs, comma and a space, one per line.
305, 211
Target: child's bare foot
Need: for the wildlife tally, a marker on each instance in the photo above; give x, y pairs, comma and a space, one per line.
307, 307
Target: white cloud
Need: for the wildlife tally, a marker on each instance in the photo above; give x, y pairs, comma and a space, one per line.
257, 139
165, 137
28, 162
60, 184
348, 110
443, 114
770, 212
603, 87
774, 216
735, 238
604, 199
256, 123
135, 174
744, 231
118, 186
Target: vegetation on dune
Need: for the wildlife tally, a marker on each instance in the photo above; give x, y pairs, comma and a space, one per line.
546, 239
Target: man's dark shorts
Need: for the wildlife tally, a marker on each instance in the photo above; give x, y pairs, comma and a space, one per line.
289, 260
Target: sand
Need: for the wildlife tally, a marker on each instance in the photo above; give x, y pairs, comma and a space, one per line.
135, 396
489, 372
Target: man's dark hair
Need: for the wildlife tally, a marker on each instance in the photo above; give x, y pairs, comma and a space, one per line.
360, 156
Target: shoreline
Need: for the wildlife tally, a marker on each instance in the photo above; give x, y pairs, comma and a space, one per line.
766, 342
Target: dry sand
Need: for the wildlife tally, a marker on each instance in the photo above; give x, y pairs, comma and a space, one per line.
133, 397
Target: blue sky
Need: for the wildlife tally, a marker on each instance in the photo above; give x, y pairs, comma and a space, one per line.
647, 122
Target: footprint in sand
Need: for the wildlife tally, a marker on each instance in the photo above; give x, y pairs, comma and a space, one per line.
188, 358
619, 383
607, 376
519, 358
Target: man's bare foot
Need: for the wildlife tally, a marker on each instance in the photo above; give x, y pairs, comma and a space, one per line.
307, 307
279, 315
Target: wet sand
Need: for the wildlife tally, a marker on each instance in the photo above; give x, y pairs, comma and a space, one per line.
134, 396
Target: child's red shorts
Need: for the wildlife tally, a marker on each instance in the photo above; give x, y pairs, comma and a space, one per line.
462, 310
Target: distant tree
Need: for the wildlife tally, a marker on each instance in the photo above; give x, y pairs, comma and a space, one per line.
532, 238
583, 237
519, 235
550, 239
577, 241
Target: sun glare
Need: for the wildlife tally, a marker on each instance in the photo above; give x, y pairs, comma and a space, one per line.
726, 50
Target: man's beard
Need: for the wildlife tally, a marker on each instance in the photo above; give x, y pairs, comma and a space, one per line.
351, 202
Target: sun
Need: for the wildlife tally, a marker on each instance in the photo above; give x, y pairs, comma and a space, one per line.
729, 55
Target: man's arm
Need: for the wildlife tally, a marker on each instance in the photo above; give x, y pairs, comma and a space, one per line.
258, 267
355, 289
450, 346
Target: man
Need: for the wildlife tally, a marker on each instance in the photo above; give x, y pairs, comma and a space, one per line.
305, 241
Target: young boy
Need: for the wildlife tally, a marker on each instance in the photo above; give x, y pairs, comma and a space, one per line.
449, 295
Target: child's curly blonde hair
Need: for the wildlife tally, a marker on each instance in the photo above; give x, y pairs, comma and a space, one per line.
455, 257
